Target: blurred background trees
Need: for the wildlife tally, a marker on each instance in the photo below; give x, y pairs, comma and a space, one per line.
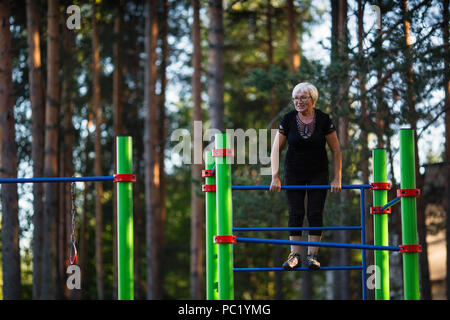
147, 68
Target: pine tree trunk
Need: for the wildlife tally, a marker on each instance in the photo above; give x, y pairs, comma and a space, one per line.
37, 100
51, 153
119, 128
67, 151
294, 50
96, 107
8, 164
362, 75
380, 116
152, 183
216, 65
339, 102
446, 85
61, 221
412, 115
273, 115
197, 207
161, 144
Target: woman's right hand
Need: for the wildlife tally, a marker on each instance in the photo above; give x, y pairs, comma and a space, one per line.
275, 185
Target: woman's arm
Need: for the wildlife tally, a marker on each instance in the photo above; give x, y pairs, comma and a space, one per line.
278, 145
333, 143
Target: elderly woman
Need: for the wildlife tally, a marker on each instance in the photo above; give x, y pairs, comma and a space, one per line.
306, 129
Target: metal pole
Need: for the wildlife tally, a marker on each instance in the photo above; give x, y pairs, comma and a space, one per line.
301, 187
318, 244
363, 242
380, 222
224, 219
409, 215
125, 220
212, 292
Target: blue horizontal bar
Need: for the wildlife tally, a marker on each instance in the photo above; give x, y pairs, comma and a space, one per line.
297, 269
302, 187
390, 204
318, 244
296, 228
55, 179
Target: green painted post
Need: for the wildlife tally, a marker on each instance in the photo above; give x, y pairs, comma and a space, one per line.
224, 219
212, 276
125, 220
380, 223
409, 216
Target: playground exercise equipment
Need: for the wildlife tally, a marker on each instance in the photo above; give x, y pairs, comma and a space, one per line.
219, 225
124, 179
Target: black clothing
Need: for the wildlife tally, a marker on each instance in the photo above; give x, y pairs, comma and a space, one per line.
315, 202
306, 163
306, 152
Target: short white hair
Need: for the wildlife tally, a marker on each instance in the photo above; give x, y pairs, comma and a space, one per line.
308, 88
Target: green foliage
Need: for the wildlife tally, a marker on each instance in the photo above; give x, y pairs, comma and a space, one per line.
250, 84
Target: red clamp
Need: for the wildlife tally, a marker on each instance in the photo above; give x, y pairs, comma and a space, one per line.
124, 177
377, 210
73, 254
223, 153
410, 248
380, 186
207, 173
225, 239
408, 192
208, 187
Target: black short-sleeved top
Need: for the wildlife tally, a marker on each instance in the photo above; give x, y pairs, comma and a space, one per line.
306, 153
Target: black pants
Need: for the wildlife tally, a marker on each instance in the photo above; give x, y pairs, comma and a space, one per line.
315, 203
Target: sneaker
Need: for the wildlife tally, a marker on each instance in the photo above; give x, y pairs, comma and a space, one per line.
292, 261
313, 263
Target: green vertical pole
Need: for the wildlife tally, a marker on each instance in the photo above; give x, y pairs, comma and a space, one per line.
409, 215
380, 222
212, 292
125, 220
224, 219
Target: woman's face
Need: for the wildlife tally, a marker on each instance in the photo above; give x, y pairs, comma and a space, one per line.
302, 101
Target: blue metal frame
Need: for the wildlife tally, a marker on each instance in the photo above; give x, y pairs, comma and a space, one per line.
363, 246
297, 269
55, 179
318, 244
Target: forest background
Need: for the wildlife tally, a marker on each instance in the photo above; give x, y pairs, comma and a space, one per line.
148, 68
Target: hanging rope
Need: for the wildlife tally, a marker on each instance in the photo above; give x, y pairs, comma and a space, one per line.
73, 239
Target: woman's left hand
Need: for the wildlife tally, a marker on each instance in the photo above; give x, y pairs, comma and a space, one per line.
336, 185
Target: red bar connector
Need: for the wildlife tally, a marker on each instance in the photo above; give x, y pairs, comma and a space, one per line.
377, 210
223, 153
410, 248
225, 239
208, 187
408, 192
380, 186
208, 173
124, 177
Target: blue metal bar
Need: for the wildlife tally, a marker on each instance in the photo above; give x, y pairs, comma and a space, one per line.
318, 244
363, 242
390, 204
297, 269
302, 187
296, 228
55, 179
